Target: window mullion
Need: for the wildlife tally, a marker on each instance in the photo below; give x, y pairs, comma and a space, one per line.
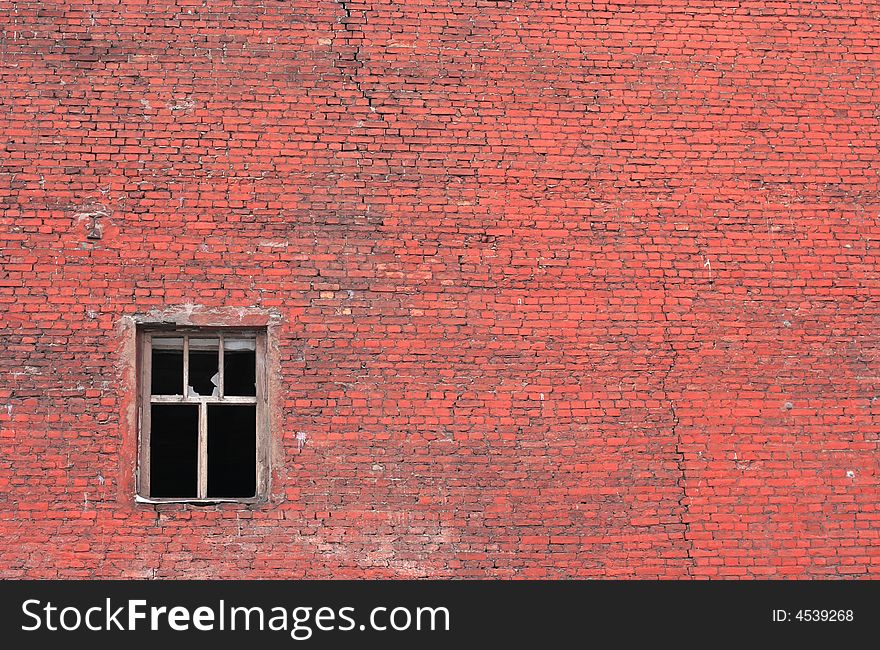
203, 450
220, 367
185, 366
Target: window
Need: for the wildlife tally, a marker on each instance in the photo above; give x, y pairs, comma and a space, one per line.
203, 425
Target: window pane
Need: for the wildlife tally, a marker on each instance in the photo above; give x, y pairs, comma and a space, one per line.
232, 445
167, 366
239, 367
174, 441
204, 368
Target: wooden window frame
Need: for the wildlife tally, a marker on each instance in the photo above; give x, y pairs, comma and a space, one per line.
145, 336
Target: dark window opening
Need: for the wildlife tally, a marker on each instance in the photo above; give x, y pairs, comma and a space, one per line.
167, 367
232, 462
204, 367
174, 450
240, 367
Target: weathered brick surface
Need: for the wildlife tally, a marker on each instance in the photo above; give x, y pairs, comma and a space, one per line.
558, 289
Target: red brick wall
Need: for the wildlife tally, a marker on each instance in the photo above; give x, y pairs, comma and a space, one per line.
558, 289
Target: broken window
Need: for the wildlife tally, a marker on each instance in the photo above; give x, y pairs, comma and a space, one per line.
202, 409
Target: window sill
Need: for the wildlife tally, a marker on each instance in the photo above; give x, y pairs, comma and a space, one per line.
198, 502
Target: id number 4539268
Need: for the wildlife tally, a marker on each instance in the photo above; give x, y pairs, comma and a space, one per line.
813, 616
